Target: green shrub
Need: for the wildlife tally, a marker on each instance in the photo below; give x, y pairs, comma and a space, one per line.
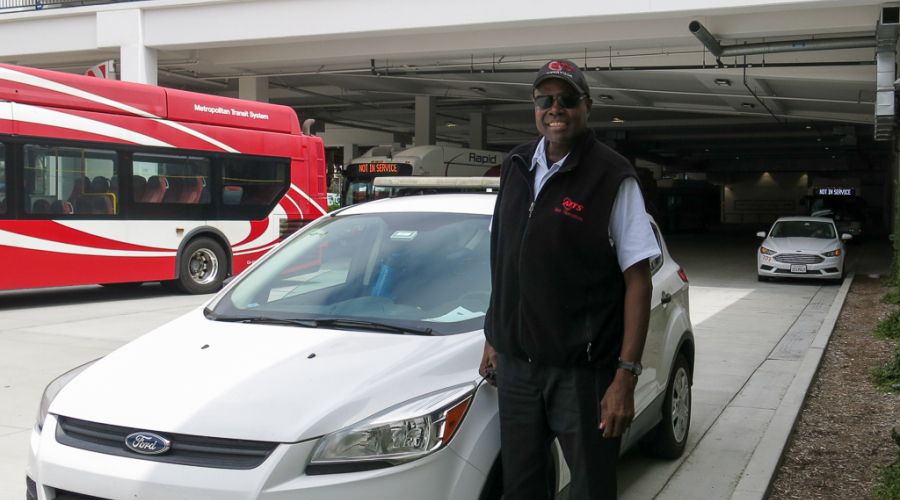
892, 297
889, 328
888, 486
888, 376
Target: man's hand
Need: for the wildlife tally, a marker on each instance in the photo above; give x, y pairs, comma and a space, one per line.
617, 405
488, 364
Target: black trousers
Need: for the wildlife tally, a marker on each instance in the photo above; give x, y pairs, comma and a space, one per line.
538, 403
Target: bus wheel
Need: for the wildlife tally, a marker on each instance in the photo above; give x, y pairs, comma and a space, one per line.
202, 267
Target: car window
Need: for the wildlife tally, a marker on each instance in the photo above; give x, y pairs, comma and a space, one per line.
803, 229
413, 269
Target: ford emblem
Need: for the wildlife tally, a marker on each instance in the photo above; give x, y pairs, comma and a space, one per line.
147, 443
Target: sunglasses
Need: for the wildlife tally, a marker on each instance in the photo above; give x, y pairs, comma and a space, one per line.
565, 100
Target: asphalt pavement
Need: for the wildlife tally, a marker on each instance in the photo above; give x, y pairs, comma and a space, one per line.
758, 346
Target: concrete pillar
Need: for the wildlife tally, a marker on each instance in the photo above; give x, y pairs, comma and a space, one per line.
125, 29
139, 64
254, 88
477, 131
425, 120
351, 151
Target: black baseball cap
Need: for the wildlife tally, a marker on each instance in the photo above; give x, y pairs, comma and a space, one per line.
565, 70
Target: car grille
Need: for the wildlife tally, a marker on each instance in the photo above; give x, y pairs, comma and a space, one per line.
69, 495
198, 451
799, 258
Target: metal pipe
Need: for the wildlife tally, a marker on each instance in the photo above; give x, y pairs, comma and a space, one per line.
705, 37
713, 45
859, 42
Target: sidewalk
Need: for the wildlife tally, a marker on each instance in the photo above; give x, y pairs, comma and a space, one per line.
740, 434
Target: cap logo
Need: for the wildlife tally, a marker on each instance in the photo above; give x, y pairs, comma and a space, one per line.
560, 66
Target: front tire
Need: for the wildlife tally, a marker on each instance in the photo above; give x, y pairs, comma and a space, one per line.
202, 267
669, 437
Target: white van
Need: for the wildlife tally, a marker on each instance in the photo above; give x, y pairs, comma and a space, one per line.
432, 161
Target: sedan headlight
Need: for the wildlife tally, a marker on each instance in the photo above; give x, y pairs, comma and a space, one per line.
406, 432
834, 253
766, 251
53, 389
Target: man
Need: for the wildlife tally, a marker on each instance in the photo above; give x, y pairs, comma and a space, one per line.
570, 245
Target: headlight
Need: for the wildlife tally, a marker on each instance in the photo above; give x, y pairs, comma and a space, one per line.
53, 389
406, 432
767, 251
834, 253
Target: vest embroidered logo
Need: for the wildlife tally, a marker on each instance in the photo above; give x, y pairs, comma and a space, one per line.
570, 208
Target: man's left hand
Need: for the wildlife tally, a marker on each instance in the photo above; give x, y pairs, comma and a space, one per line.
617, 405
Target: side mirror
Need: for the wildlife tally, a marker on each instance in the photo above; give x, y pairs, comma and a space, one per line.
846, 236
761, 234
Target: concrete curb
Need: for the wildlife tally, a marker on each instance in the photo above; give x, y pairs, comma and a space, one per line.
757, 477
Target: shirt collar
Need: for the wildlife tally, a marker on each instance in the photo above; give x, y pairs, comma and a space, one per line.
540, 158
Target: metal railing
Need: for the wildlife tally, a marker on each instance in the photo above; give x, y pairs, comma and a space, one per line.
28, 5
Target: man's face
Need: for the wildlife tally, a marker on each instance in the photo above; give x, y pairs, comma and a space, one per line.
560, 125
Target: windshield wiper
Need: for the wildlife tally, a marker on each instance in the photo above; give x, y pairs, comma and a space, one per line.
372, 325
320, 323
265, 320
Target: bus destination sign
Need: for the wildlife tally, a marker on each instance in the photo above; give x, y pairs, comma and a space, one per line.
835, 191
375, 169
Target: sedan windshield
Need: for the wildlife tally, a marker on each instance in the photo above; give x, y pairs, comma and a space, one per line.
803, 229
417, 273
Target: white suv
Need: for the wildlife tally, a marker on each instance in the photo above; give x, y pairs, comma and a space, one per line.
343, 365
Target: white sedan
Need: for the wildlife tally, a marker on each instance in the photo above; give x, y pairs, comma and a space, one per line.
343, 365
801, 247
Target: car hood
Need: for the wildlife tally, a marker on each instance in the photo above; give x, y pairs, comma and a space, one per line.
805, 245
262, 382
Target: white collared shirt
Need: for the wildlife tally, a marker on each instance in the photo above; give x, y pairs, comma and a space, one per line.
629, 225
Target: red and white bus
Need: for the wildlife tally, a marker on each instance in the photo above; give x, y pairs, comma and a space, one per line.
114, 182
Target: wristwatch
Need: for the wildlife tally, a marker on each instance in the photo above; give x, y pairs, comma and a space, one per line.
632, 366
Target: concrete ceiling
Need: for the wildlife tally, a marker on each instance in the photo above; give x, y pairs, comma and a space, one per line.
658, 93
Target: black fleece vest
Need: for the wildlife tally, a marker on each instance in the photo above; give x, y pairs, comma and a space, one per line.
558, 292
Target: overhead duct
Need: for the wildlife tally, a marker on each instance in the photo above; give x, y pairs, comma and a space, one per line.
886, 71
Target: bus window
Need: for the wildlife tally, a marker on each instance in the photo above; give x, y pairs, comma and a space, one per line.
252, 182
159, 178
70, 181
2, 179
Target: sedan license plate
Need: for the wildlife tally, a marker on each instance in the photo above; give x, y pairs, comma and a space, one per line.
798, 268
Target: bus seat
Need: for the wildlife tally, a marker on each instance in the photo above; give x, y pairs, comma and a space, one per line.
173, 193
83, 206
114, 185
139, 185
79, 187
231, 195
40, 206
57, 207
191, 190
3, 206
100, 185
102, 203
157, 186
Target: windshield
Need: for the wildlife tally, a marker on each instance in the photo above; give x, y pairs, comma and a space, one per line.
412, 270
364, 190
803, 229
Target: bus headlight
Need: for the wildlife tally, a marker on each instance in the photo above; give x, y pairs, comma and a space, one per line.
406, 432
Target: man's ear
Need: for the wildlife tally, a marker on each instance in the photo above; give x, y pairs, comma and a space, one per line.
589, 103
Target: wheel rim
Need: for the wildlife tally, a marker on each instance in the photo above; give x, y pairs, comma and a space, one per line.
681, 404
203, 266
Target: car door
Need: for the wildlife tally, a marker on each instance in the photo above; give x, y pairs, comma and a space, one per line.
654, 374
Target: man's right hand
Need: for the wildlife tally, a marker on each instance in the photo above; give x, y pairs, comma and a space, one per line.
488, 364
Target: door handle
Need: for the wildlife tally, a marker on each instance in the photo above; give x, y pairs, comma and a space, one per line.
665, 297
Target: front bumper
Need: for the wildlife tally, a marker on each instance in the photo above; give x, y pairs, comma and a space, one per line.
58, 470
829, 268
